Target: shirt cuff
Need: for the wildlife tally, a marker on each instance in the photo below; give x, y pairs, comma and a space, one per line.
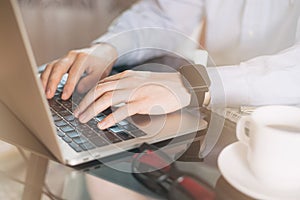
229, 86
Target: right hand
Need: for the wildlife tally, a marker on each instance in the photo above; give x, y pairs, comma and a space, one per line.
151, 93
96, 62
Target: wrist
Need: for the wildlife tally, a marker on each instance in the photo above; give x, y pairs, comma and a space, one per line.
197, 82
106, 55
106, 50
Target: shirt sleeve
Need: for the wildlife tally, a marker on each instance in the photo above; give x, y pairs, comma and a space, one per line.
151, 27
272, 79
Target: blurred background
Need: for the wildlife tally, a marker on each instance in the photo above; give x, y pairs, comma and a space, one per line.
57, 26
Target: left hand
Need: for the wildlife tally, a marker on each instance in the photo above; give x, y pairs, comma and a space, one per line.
142, 92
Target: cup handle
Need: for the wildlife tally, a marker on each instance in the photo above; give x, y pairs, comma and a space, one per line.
240, 130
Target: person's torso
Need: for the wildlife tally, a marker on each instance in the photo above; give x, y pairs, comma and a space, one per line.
237, 30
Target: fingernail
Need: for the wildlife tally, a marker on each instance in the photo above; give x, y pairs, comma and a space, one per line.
48, 92
64, 96
82, 118
65, 92
76, 113
102, 125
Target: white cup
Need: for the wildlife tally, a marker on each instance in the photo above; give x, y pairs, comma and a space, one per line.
273, 141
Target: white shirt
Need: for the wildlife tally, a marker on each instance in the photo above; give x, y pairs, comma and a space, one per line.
254, 43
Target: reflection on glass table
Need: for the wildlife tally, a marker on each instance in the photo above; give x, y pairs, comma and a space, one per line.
32, 173
24, 175
27, 173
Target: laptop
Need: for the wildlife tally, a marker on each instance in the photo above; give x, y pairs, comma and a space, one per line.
52, 121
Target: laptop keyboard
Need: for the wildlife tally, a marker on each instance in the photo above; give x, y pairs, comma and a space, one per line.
82, 137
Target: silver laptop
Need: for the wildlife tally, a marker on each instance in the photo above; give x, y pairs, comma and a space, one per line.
52, 121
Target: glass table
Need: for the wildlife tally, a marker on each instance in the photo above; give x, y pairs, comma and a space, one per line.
26, 174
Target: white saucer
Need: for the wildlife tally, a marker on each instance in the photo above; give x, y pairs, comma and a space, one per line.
233, 166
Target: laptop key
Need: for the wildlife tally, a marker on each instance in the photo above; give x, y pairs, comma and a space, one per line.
100, 117
111, 137
76, 122
69, 118
129, 127
58, 108
67, 128
73, 123
60, 123
123, 123
60, 134
67, 104
124, 135
52, 102
89, 133
137, 133
65, 113
75, 146
134, 130
115, 129
98, 141
73, 134
76, 99
107, 111
56, 117
92, 122
74, 106
87, 146
79, 140
67, 139
82, 128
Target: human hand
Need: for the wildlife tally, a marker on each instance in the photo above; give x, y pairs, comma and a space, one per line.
142, 92
96, 62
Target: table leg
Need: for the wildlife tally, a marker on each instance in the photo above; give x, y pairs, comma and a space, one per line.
35, 177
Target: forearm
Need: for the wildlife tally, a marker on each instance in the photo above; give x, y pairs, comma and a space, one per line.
263, 80
151, 28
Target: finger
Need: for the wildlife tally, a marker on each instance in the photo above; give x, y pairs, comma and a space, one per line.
45, 75
105, 101
93, 77
76, 71
96, 93
87, 82
118, 76
121, 113
58, 70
